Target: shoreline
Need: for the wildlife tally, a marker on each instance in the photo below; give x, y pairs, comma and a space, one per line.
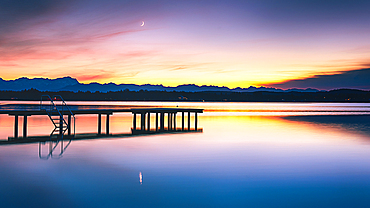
334, 96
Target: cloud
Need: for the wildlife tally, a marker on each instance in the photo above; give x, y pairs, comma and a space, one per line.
86, 78
58, 29
355, 79
15, 16
185, 67
88, 75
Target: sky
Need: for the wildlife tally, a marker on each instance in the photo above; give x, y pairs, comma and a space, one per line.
229, 43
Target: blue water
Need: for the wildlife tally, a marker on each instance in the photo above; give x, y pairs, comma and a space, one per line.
238, 161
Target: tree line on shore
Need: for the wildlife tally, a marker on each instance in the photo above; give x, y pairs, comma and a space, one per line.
341, 95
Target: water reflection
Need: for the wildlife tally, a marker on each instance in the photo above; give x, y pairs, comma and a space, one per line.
238, 161
52, 150
358, 124
141, 178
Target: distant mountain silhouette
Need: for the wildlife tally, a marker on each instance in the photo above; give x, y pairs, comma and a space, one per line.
71, 84
42, 84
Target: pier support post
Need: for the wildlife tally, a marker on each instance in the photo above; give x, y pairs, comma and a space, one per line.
134, 122
156, 121
99, 123
142, 122
162, 122
69, 124
107, 125
61, 125
16, 126
189, 121
148, 121
169, 121
196, 121
183, 121
24, 126
174, 121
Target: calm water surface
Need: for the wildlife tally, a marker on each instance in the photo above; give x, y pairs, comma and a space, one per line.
249, 155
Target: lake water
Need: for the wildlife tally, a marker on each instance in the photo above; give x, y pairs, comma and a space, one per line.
248, 155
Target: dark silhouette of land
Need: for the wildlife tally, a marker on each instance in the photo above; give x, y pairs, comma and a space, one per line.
341, 95
73, 85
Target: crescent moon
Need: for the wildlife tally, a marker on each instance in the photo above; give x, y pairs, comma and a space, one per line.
142, 23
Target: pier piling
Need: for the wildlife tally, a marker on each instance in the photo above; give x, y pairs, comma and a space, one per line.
142, 128
189, 121
134, 122
148, 121
196, 121
61, 126
182, 121
162, 122
69, 123
156, 121
99, 123
24, 126
107, 125
16, 126
174, 121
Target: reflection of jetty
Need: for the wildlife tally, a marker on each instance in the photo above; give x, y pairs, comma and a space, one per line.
52, 147
84, 136
143, 114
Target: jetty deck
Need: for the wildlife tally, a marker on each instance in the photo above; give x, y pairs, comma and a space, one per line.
139, 114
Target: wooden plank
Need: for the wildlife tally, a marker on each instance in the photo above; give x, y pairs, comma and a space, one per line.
102, 111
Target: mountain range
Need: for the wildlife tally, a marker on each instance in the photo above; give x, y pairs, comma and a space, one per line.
72, 84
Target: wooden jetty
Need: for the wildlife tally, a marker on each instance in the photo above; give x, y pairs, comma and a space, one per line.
144, 115
159, 113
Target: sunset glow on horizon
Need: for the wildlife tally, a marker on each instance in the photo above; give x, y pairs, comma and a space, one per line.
223, 43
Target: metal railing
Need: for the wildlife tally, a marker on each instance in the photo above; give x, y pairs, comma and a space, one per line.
56, 106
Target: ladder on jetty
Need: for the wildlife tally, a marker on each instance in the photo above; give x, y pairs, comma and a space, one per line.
56, 108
